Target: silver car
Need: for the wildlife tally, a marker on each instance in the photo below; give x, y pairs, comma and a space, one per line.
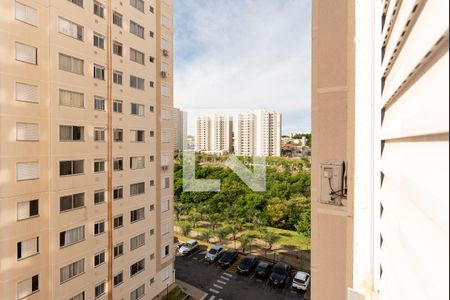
214, 253
188, 248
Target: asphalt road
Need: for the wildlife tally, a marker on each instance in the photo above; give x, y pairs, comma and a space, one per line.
225, 284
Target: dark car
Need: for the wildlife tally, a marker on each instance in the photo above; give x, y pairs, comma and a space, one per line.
247, 265
263, 270
228, 258
280, 274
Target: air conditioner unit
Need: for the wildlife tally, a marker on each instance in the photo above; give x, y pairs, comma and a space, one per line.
165, 168
165, 52
163, 74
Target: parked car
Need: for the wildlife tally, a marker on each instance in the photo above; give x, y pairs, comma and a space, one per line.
228, 258
214, 253
188, 247
247, 265
301, 281
263, 270
280, 274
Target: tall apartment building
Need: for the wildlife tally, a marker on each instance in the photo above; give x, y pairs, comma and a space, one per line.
214, 134
180, 129
258, 133
380, 209
86, 183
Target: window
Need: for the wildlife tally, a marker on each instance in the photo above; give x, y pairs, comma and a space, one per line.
137, 56
26, 14
71, 99
165, 161
99, 134
152, 158
165, 251
152, 84
137, 136
152, 59
138, 293
99, 40
137, 242
117, 48
26, 53
152, 34
99, 72
118, 279
70, 29
152, 232
99, 166
118, 164
27, 132
27, 93
165, 137
71, 133
136, 82
152, 280
71, 202
99, 259
117, 77
99, 228
152, 109
99, 197
118, 193
138, 4
118, 222
71, 64
80, 296
165, 21
71, 167
165, 274
137, 109
166, 183
137, 215
118, 250
165, 206
27, 287
137, 189
99, 9
27, 171
27, 248
152, 133
165, 114
118, 106
165, 67
165, 45
152, 183
99, 103
165, 91
137, 29
137, 267
100, 290
71, 271
165, 229
137, 162
71, 237
27, 209
117, 19
80, 4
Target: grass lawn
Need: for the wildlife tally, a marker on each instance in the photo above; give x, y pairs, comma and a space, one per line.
175, 294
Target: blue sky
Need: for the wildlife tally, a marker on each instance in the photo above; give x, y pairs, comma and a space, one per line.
242, 55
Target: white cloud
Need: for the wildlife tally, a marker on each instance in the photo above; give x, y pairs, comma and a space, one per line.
245, 54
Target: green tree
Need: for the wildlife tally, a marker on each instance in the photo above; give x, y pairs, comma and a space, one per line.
245, 241
207, 236
186, 229
269, 238
194, 217
222, 234
234, 230
276, 210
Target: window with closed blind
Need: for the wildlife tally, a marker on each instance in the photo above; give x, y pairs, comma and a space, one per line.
165, 205
71, 98
27, 209
71, 64
27, 132
165, 21
137, 242
71, 271
27, 171
137, 83
137, 29
28, 287
137, 56
165, 274
165, 137
138, 4
27, 248
26, 14
137, 162
138, 293
71, 237
137, 189
165, 91
27, 92
70, 29
165, 161
80, 296
71, 202
26, 53
166, 183
165, 229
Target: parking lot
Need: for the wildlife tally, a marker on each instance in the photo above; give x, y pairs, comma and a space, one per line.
226, 284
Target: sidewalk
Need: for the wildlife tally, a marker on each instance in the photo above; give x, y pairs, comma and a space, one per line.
195, 293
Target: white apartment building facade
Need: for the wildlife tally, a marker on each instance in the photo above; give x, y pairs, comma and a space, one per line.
258, 133
85, 187
214, 134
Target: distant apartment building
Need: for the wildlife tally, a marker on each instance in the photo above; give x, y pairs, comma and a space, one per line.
180, 130
214, 134
380, 164
86, 191
258, 133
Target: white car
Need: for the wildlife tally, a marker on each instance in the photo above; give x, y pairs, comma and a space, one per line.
214, 253
188, 248
301, 281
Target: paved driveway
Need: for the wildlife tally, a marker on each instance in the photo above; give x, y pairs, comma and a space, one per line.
226, 284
